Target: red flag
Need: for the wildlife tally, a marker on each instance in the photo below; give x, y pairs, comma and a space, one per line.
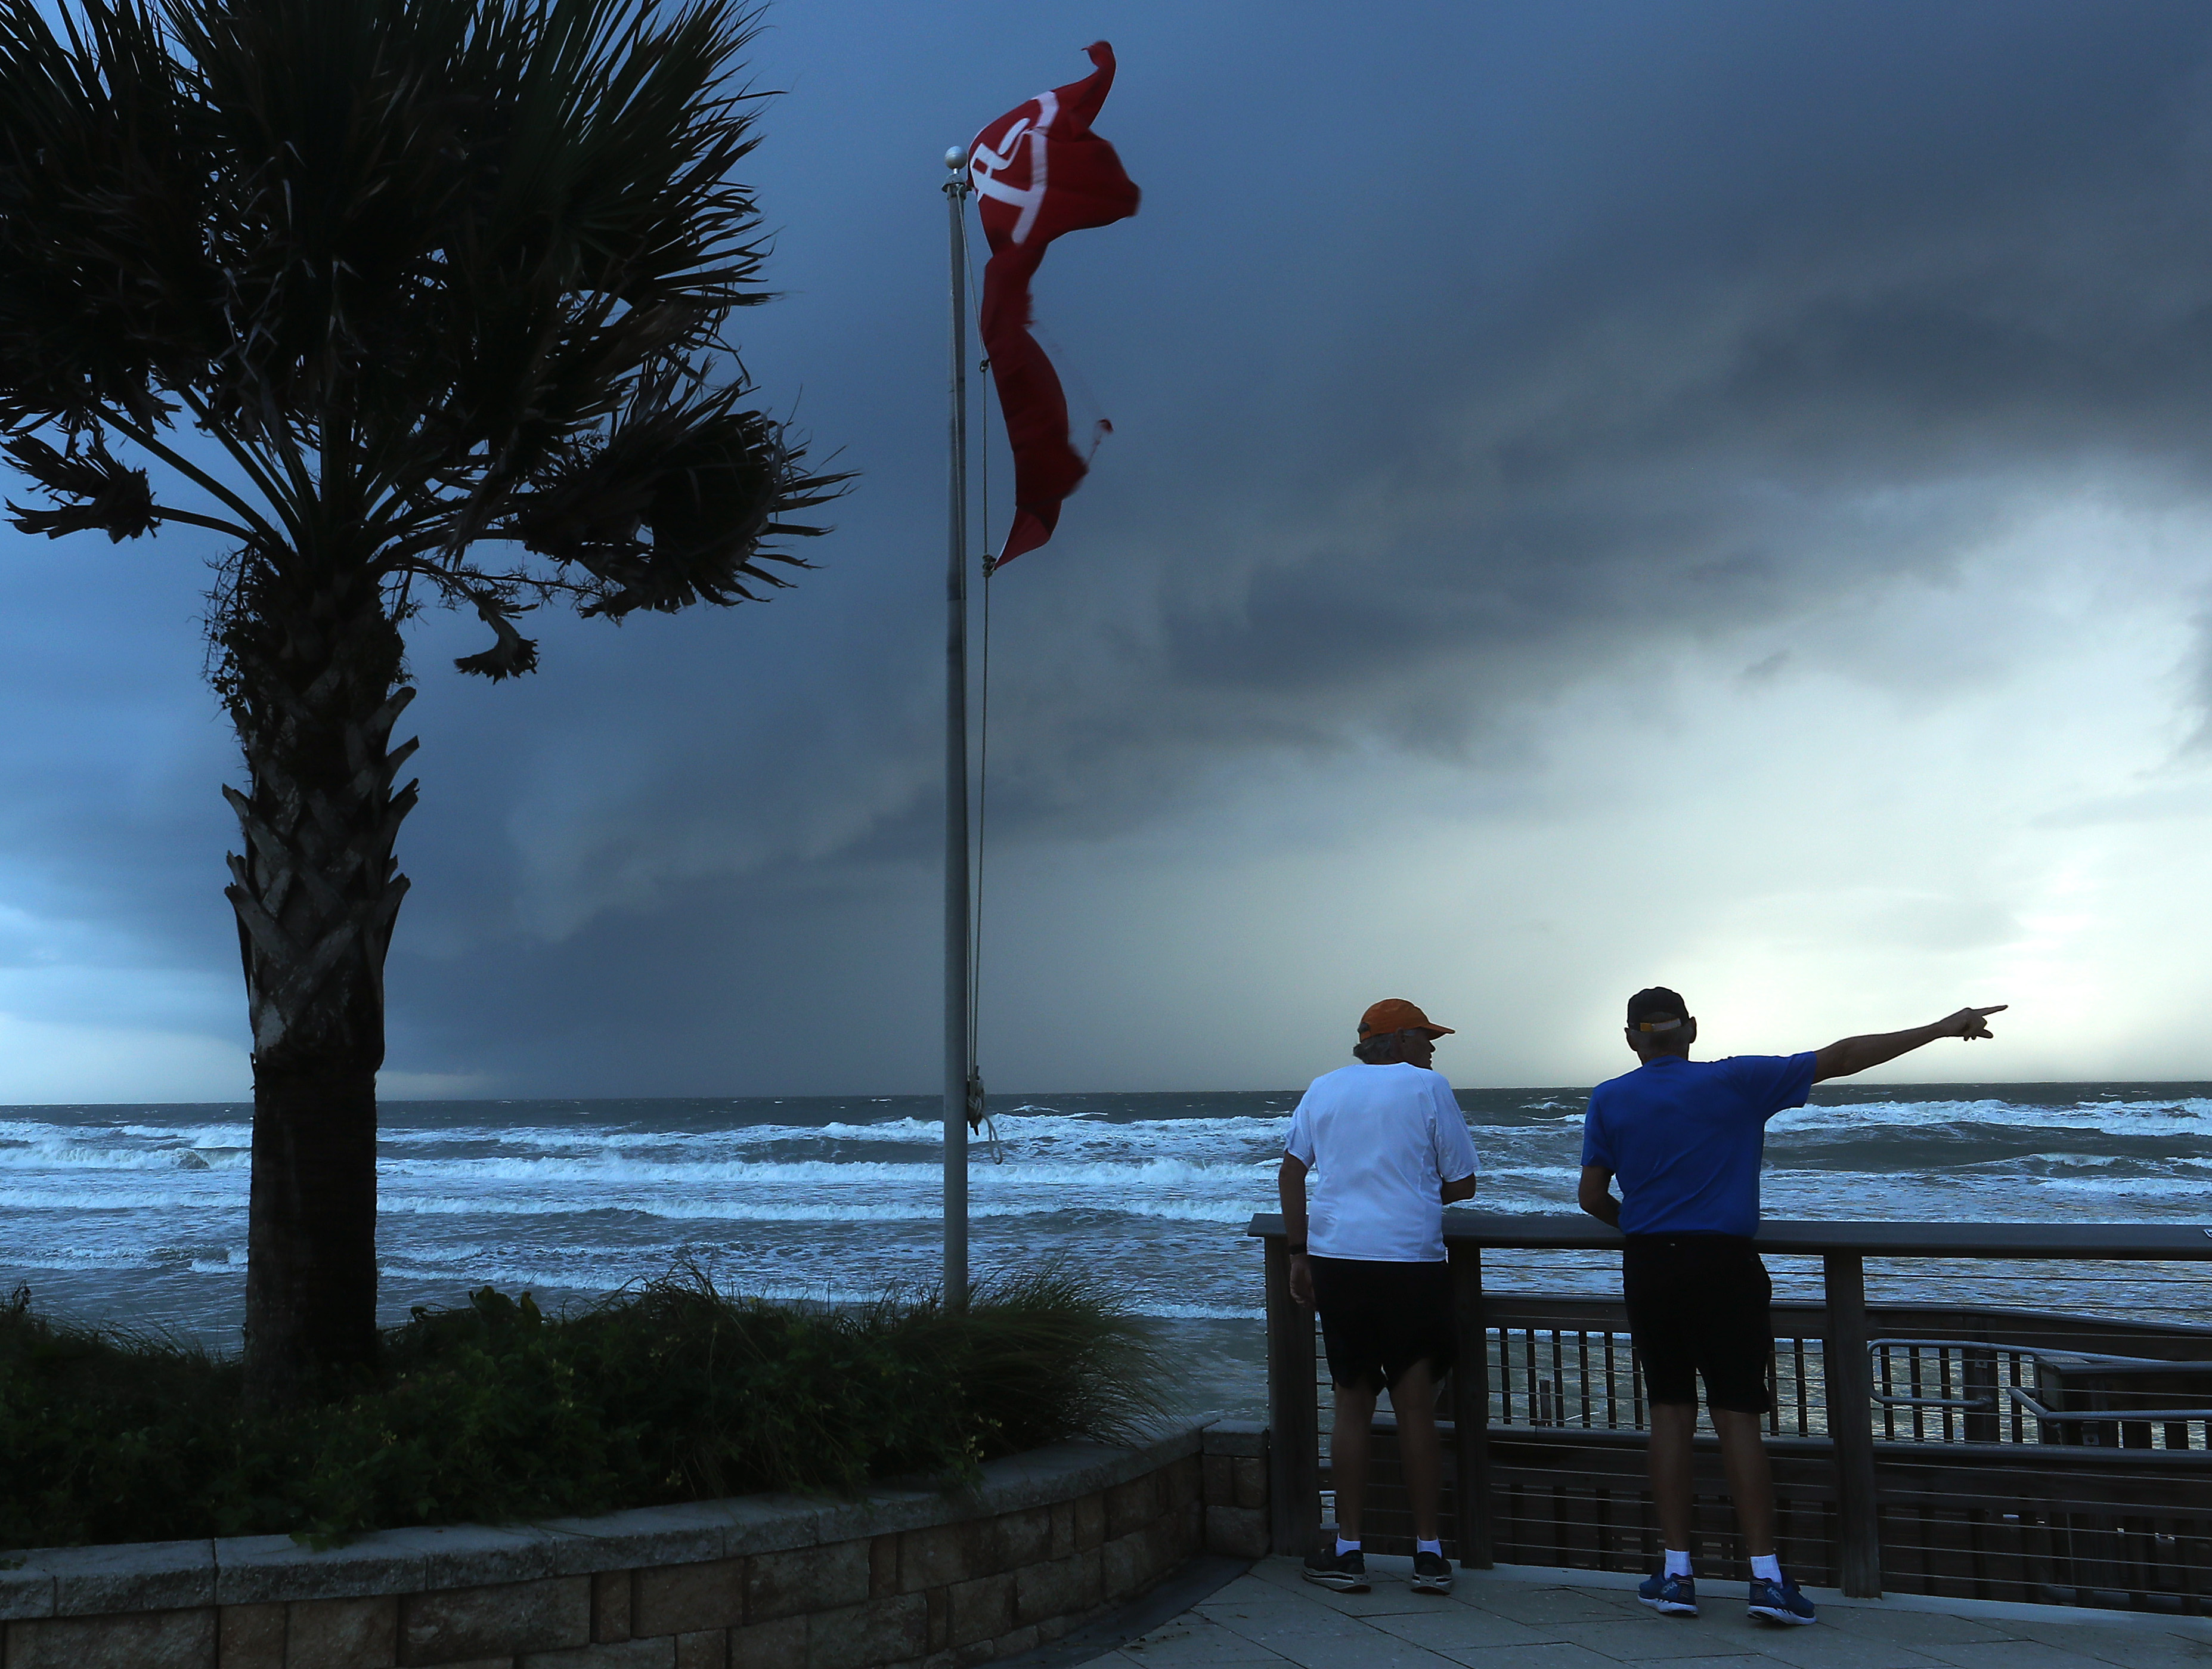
1039, 171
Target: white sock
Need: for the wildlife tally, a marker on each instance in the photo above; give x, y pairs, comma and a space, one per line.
1766, 1568
1435, 1547
1678, 1564
1344, 1547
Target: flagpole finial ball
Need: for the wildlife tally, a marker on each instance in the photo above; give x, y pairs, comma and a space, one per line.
956, 157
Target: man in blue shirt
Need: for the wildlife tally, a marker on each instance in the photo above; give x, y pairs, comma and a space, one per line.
1685, 1137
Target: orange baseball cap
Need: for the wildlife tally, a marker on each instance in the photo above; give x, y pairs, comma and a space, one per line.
1395, 1013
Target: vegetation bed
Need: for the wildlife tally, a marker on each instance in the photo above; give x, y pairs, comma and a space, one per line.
496, 1411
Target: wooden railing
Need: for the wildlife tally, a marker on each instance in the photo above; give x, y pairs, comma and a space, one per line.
1984, 1450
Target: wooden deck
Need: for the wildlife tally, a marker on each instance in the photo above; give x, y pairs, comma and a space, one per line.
1510, 1619
1983, 1454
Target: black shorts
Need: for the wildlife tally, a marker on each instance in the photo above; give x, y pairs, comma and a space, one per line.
1378, 1319
1699, 1304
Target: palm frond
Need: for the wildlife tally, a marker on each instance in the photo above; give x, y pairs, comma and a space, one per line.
430, 271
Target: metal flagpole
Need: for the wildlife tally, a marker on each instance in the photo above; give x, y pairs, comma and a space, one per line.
959, 1066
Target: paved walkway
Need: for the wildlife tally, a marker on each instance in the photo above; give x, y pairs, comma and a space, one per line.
1527, 1619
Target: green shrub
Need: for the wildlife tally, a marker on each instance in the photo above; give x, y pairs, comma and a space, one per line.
495, 1411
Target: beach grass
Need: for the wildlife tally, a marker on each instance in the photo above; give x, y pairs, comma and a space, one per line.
496, 1411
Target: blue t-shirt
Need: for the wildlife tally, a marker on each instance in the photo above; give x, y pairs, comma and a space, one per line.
1685, 1137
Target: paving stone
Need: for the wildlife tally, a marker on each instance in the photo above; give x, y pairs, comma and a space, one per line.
1193, 1641
1389, 1588
706, 1649
938, 1556
1218, 1479
1015, 1539
621, 1654
1053, 1588
1238, 1533
683, 1598
1299, 1632
1553, 1656
684, 1532
1129, 1563
251, 1637
1251, 1482
1460, 1628
2131, 1646
469, 1556
1822, 1647
26, 1591
1361, 1648
1252, 1590
2012, 1654
1248, 1437
778, 1645
980, 1610
548, 1615
610, 1598
1280, 1571
342, 1634
769, 1523
130, 1576
805, 1579
1090, 1521
148, 1640
888, 1630
261, 1569
1918, 1630
1546, 1606
1387, 1597
1130, 1507
1655, 1639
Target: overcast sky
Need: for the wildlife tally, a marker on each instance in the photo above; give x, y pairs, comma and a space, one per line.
1600, 495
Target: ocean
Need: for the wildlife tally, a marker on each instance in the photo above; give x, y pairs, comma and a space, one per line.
135, 1214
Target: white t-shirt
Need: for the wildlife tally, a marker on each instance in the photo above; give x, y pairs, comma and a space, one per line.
1381, 1140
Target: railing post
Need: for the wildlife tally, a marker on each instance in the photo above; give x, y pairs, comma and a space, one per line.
1470, 1383
1849, 1387
1293, 1427
1984, 1424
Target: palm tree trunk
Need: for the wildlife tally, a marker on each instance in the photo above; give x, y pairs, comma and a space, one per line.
312, 676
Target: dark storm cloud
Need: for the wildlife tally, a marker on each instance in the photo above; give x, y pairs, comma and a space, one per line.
1807, 308
1457, 353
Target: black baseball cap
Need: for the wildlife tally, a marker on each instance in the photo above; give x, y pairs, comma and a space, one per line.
1655, 1004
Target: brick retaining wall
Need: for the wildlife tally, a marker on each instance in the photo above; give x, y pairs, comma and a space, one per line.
1045, 1542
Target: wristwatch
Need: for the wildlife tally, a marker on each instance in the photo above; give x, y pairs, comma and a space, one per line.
1298, 1248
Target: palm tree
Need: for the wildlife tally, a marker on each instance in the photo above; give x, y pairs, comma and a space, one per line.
440, 288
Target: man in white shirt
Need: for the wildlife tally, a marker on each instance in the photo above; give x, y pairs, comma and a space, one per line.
1389, 1149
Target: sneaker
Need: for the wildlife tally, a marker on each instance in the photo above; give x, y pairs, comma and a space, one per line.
1780, 1602
1670, 1596
1432, 1573
1345, 1572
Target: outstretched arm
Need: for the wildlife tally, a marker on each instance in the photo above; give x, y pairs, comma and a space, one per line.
1848, 1055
